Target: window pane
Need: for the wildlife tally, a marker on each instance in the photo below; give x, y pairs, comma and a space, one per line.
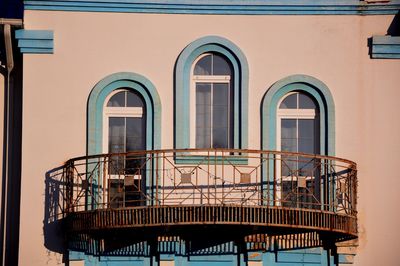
220, 127
220, 137
288, 135
203, 66
116, 143
221, 66
290, 102
203, 115
117, 100
116, 135
288, 143
203, 94
203, 139
133, 99
220, 115
221, 94
135, 140
135, 134
306, 102
307, 136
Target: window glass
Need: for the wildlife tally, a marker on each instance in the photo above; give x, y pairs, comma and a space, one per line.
289, 133
117, 100
306, 136
221, 94
306, 102
134, 134
203, 66
203, 115
221, 66
290, 102
116, 143
133, 100
288, 143
116, 131
298, 100
220, 115
214, 101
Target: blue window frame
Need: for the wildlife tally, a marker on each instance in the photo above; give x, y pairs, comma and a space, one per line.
324, 103
183, 91
129, 81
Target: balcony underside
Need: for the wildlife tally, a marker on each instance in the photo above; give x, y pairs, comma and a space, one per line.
202, 225
171, 219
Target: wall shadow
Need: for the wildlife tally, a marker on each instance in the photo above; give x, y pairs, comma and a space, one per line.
394, 27
54, 233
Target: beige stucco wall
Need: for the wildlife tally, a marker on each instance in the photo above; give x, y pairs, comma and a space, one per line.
333, 49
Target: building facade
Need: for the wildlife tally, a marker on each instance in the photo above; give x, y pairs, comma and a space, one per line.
209, 132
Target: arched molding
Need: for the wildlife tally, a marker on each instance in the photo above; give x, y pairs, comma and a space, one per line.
182, 87
315, 88
107, 85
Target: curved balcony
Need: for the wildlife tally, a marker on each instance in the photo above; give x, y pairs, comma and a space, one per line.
262, 198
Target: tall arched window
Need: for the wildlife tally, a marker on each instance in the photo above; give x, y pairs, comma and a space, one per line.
124, 114
298, 115
298, 129
124, 122
124, 127
298, 132
212, 99
211, 96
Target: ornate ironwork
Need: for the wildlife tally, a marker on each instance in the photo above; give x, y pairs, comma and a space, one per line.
276, 199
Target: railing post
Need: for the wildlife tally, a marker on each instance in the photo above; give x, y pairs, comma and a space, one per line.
157, 176
104, 177
69, 187
275, 182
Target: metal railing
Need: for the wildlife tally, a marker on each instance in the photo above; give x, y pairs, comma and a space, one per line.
203, 177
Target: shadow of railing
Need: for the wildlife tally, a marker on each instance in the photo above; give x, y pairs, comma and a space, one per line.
54, 238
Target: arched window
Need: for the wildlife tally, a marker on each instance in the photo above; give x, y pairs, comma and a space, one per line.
123, 94
124, 114
298, 132
298, 115
124, 122
314, 92
211, 96
298, 129
212, 99
124, 127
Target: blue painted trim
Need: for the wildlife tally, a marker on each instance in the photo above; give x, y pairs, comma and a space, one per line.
35, 41
36, 51
34, 34
182, 88
385, 47
232, 7
95, 109
321, 94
